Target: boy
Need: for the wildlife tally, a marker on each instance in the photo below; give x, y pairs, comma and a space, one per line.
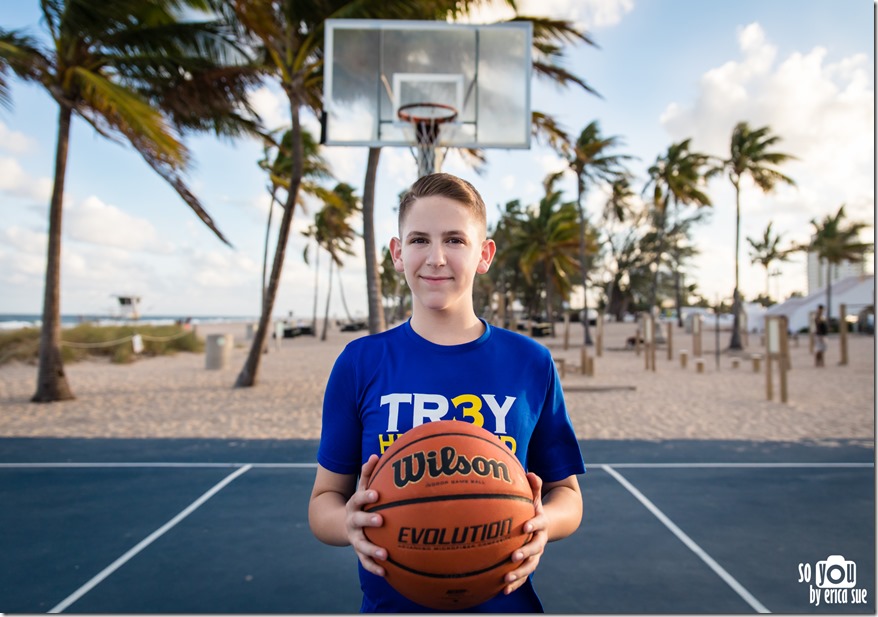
444, 363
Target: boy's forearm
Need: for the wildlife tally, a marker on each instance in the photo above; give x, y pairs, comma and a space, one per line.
562, 505
326, 516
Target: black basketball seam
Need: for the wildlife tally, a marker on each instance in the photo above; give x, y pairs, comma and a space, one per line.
460, 575
456, 497
493, 442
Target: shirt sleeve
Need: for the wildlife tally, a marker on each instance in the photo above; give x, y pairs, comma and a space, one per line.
341, 431
554, 452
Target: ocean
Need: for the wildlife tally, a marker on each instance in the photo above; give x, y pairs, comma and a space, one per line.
14, 321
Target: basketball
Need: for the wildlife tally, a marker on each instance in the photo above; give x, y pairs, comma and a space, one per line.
454, 500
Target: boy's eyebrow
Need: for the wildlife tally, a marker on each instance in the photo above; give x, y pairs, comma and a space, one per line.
446, 234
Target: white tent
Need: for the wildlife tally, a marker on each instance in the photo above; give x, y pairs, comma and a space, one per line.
755, 316
855, 292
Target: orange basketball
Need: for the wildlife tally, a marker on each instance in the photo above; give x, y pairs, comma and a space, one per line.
454, 501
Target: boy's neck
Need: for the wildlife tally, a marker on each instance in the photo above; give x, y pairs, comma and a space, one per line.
443, 328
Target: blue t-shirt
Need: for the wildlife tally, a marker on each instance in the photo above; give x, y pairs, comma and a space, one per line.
385, 384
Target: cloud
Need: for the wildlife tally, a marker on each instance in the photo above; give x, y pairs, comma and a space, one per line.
587, 14
95, 222
821, 110
15, 181
15, 142
272, 107
22, 256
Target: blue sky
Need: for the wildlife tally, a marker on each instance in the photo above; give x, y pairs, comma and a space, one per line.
667, 70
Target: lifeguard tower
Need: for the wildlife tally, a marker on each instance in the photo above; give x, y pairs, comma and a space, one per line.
129, 307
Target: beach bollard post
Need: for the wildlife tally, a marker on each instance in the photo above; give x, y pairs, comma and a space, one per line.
566, 331
735, 362
699, 365
670, 338
756, 358
218, 351
599, 336
561, 365
843, 334
777, 352
684, 357
696, 336
649, 341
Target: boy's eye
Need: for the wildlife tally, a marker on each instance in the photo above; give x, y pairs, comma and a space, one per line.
456, 240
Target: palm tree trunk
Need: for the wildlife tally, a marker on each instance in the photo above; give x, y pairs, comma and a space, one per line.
586, 340
549, 298
250, 370
735, 343
316, 286
328, 298
828, 292
51, 381
344, 301
373, 277
265, 250
678, 295
660, 249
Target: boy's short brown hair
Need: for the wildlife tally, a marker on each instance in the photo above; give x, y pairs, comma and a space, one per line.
448, 186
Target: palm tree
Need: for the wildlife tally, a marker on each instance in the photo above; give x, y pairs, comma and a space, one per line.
836, 241
676, 178
592, 162
617, 210
315, 169
546, 240
333, 233
136, 73
766, 251
750, 155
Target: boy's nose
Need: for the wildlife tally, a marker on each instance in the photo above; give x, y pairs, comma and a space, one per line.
436, 256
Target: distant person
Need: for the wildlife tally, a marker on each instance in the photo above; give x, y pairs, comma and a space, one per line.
444, 350
821, 329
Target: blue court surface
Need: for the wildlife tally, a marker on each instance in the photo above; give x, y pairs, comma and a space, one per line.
220, 526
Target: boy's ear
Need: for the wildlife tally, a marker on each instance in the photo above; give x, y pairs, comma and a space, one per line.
396, 255
489, 249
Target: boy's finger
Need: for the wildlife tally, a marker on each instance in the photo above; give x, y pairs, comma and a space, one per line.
366, 471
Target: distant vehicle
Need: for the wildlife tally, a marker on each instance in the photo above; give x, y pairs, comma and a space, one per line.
352, 326
539, 325
299, 328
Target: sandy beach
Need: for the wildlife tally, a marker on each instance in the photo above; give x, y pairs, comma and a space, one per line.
177, 396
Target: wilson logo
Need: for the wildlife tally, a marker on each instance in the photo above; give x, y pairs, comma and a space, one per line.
447, 462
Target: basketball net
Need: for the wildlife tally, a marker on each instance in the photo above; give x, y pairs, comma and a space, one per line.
427, 120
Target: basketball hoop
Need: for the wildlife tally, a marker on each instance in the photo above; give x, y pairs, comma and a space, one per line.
427, 119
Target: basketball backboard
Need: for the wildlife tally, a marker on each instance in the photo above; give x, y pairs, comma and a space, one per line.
472, 79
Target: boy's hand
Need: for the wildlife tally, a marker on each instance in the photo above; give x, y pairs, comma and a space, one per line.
528, 556
356, 519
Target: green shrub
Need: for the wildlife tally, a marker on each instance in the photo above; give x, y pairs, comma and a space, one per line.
89, 340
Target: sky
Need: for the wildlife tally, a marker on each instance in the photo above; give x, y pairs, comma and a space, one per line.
666, 70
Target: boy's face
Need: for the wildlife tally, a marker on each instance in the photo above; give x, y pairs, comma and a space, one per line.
441, 249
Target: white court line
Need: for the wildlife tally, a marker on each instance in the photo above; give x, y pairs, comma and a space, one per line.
96, 580
689, 542
737, 465
156, 465
185, 465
